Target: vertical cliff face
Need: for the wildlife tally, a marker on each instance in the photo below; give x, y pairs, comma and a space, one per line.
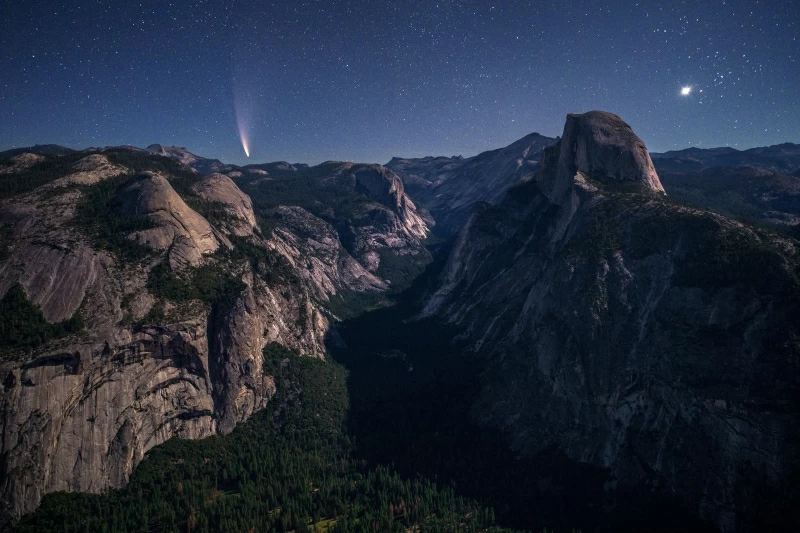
449, 187
220, 189
599, 145
177, 228
80, 418
374, 222
647, 338
178, 290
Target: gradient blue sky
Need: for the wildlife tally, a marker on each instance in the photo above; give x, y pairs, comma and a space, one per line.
367, 80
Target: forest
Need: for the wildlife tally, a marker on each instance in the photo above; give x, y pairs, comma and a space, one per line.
23, 326
291, 467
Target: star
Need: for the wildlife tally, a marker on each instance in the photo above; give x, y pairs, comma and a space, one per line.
686, 90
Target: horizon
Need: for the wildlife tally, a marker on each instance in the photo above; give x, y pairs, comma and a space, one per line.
291, 82
383, 162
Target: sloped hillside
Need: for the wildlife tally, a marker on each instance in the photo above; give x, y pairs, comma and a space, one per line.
449, 187
142, 296
655, 341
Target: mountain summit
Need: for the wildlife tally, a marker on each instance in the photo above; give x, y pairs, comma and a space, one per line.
651, 340
598, 145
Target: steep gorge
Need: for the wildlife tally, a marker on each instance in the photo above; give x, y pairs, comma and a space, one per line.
590, 353
180, 291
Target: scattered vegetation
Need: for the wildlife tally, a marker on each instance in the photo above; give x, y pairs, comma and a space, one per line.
714, 253
212, 283
314, 189
721, 256
49, 169
401, 269
97, 213
180, 176
268, 264
332, 198
209, 283
603, 236
349, 304
6, 232
290, 468
156, 314
139, 161
23, 326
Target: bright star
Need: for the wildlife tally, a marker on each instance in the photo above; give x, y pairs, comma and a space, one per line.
686, 91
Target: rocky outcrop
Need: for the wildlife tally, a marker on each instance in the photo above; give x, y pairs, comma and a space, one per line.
20, 162
238, 206
449, 187
56, 278
600, 146
79, 413
199, 164
90, 170
49, 257
312, 247
374, 220
392, 222
632, 334
186, 235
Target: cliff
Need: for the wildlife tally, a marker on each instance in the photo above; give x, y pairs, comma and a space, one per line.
158, 290
652, 340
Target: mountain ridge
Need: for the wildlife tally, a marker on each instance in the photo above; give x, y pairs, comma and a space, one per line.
632, 333
178, 282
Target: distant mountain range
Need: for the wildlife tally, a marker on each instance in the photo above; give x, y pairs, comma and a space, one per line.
449, 186
783, 158
655, 341
627, 319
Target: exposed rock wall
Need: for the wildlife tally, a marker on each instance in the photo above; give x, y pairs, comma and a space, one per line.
312, 247
631, 333
449, 187
220, 188
78, 414
178, 228
81, 418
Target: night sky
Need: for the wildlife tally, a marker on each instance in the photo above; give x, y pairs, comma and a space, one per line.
364, 81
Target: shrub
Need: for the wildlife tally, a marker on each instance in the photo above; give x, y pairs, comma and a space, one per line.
23, 326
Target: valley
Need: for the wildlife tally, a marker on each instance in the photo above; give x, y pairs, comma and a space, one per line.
563, 333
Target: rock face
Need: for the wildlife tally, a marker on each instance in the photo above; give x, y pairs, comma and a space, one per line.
55, 278
220, 188
598, 145
19, 163
365, 206
80, 419
312, 246
79, 413
449, 187
90, 170
178, 228
201, 165
633, 334
392, 222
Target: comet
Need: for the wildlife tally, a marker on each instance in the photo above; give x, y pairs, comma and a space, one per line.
242, 124
244, 143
